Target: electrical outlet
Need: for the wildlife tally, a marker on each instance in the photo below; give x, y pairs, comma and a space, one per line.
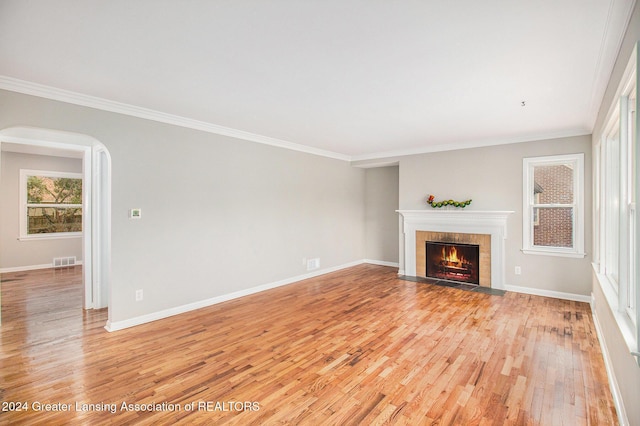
139, 295
518, 270
313, 264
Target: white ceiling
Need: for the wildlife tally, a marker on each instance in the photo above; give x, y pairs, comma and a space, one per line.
359, 78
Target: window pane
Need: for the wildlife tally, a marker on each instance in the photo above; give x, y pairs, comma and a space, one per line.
612, 207
633, 143
52, 220
553, 184
50, 190
633, 243
631, 294
554, 227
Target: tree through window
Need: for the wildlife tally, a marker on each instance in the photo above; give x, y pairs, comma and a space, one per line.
53, 203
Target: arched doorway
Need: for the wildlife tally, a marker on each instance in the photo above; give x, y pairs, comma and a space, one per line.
96, 199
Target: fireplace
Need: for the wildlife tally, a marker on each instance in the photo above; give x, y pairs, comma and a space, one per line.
453, 261
488, 229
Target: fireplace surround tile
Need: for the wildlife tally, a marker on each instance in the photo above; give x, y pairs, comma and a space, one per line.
482, 240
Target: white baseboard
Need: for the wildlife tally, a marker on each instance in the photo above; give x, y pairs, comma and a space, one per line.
613, 383
154, 316
548, 293
33, 267
382, 263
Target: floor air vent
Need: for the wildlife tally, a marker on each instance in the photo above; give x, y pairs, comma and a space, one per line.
61, 262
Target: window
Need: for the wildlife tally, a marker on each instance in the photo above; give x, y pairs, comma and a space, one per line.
51, 204
553, 211
633, 219
611, 200
616, 191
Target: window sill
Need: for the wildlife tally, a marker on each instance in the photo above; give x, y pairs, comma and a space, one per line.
540, 252
625, 325
60, 236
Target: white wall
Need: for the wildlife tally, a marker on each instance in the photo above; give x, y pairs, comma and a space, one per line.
219, 215
492, 177
626, 372
381, 221
24, 254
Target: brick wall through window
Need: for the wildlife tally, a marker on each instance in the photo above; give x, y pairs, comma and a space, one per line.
554, 225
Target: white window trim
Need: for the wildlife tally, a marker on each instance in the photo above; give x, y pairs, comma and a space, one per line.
24, 174
577, 251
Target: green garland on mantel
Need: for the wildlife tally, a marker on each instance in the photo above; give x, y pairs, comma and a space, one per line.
462, 204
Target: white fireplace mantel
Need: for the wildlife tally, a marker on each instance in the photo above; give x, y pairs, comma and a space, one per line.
493, 223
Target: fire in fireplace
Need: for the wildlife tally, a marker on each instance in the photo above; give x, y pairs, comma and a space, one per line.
453, 261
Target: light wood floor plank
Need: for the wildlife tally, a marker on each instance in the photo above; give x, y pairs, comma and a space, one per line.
358, 346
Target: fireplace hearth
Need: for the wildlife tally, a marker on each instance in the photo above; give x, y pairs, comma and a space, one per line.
453, 262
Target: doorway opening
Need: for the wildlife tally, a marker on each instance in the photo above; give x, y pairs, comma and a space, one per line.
96, 199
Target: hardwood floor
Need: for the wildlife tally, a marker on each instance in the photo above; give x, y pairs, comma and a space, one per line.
357, 346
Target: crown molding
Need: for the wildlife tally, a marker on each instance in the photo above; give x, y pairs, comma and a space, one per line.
43, 91
362, 161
